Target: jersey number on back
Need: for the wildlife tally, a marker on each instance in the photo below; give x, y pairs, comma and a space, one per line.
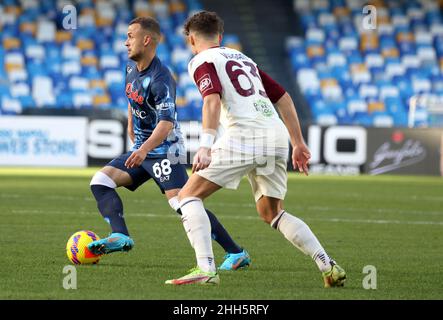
235, 69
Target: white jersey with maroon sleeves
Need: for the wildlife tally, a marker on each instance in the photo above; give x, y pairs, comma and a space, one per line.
247, 94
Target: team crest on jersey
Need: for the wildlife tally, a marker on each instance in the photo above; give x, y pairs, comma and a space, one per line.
128, 69
205, 83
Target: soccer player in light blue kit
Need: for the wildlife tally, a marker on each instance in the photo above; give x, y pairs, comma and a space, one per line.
158, 150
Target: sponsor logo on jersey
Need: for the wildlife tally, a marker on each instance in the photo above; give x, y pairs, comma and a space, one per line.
264, 108
205, 83
165, 106
134, 95
138, 113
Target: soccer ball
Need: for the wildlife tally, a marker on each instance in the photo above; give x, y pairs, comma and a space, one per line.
77, 248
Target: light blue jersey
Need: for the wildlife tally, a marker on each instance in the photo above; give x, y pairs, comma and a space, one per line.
151, 94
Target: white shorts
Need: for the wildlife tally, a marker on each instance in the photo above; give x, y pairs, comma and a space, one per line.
267, 175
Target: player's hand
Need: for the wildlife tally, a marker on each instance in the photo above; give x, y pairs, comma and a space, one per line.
300, 157
136, 159
202, 159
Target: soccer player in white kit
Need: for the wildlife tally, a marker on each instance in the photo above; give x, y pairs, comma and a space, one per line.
240, 96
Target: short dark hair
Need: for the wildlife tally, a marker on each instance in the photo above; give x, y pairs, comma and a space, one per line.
149, 24
206, 23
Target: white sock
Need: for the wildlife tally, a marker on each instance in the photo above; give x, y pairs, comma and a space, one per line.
174, 203
301, 236
323, 261
198, 229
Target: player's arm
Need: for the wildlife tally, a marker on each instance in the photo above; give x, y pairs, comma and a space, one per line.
209, 85
210, 120
300, 152
159, 134
130, 124
283, 102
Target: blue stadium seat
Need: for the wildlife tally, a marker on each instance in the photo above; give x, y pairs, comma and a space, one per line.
195, 109
27, 102
326, 119
363, 119
185, 113
299, 60
394, 105
4, 90
386, 71
383, 120
400, 119
64, 100
95, 51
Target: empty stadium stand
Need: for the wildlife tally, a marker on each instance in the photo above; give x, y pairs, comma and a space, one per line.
43, 64
350, 74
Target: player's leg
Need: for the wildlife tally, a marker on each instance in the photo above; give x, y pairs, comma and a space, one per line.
198, 229
222, 172
171, 177
300, 235
109, 204
269, 191
236, 257
103, 185
294, 229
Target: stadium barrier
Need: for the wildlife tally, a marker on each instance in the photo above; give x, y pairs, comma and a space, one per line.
352, 150
59, 141
405, 151
43, 141
93, 140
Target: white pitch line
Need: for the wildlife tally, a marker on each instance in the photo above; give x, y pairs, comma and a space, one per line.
237, 217
374, 210
252, 205
378, 221
412, 197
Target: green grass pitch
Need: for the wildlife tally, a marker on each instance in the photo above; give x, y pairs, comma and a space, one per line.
392, 223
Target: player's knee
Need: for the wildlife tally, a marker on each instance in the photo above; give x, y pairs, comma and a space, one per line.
102, 179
